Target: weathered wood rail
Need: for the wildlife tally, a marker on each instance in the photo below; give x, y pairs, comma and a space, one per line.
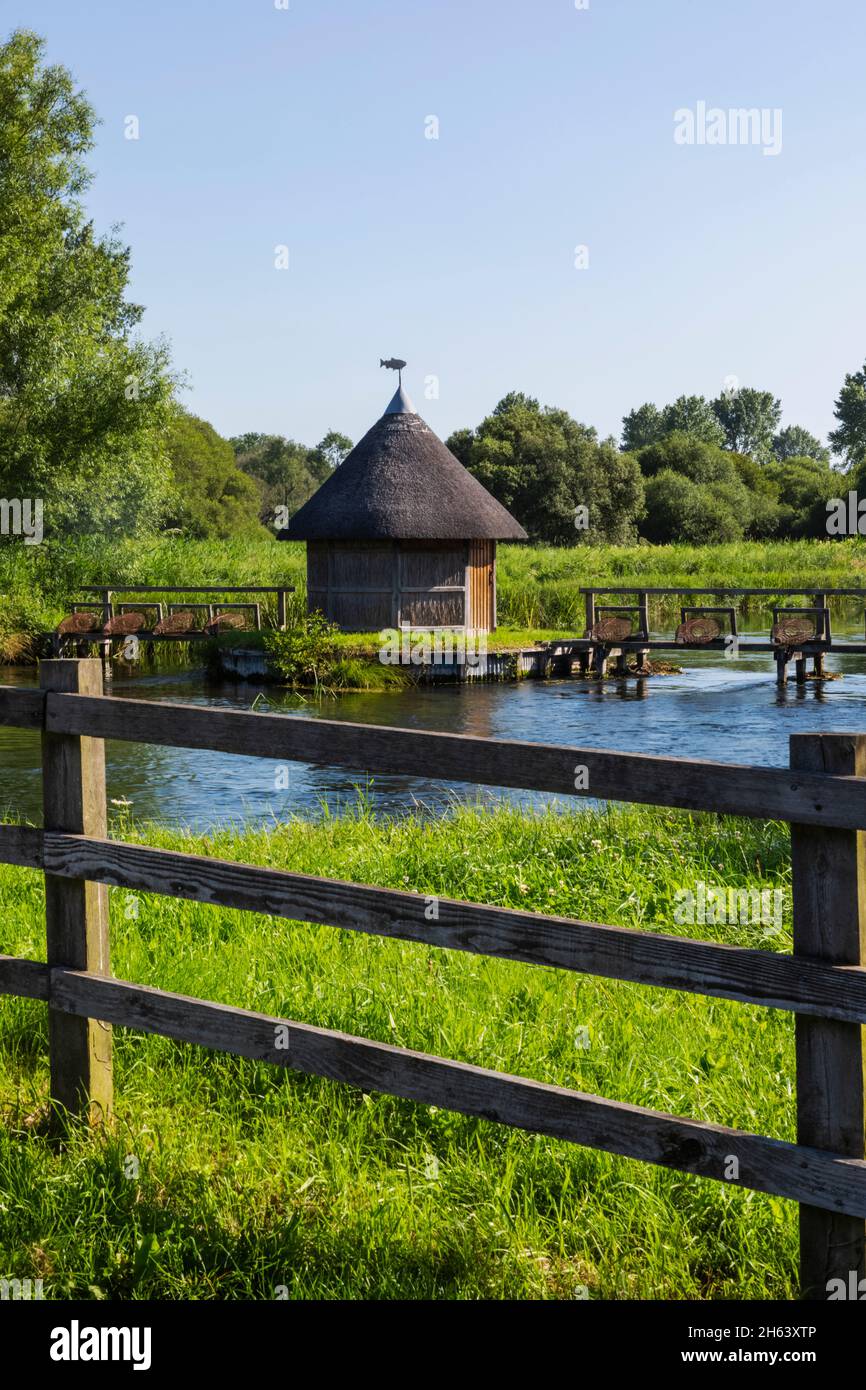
823, 983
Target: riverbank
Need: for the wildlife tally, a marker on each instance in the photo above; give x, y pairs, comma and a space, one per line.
227, 1179
538, 586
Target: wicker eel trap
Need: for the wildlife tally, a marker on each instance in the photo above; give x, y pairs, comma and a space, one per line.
612, 629
698, 631
79, 623
124, 624
227, 622
791, 630
176, 625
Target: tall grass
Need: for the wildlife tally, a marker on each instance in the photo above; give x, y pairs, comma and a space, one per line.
227, 1179
39, 583
538, 586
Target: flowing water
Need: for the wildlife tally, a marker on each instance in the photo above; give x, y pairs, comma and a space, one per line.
730, 711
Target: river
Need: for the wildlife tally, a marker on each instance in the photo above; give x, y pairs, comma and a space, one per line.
730, 711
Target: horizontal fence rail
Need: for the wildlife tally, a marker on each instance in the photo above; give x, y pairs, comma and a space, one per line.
619, 953
822, 794
831, 1181
808, 798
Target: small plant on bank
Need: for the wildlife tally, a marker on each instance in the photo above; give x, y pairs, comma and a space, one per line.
307, 653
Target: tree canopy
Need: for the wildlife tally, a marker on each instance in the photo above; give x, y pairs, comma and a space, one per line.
749, 419
84, 404
543, 466
288, 472
212, 496
849, 438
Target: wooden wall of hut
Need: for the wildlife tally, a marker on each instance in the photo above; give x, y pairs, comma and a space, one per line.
365, 586
482, 585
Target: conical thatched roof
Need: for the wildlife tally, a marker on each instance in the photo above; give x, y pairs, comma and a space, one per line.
401, 483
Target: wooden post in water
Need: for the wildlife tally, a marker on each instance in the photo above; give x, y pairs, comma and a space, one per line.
820, 601
105, 644
76, 912
829, 889
643, 610
590, 613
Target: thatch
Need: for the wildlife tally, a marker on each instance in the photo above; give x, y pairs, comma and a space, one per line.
400, 482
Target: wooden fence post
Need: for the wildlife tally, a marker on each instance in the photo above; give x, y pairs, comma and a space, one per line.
829, 899
76, 912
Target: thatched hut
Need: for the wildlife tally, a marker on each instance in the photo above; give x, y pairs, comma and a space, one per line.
402, 534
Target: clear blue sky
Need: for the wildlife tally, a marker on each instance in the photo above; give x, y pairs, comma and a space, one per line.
261, 126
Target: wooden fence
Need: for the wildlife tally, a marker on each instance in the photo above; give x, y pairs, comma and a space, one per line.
822, 793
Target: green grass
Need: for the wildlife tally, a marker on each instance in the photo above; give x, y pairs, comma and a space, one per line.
250, 1178
537, 585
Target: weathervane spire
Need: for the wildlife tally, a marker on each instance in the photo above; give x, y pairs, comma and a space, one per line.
395, 364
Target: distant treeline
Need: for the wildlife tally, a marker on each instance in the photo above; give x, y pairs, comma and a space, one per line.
697, 471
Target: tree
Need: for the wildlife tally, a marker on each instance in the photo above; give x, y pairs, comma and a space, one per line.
796, 442
678, 509
284, 469
328, 454
212, 496
84, 406
543, 465
804, 484
682, 453
849, 440
693, 415
749, 419
641, 427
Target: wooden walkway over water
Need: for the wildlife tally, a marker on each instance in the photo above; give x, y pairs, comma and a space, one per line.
801, 629
616, 640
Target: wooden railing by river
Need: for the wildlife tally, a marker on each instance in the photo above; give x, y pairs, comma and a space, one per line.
822, 982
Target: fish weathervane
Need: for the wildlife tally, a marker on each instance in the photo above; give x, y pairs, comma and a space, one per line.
394, 364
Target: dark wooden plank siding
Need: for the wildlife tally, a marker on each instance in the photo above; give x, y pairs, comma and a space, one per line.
432, 568
359, 612
432, 610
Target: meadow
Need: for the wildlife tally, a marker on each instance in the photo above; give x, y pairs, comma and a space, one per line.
537, 585
224, 1178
